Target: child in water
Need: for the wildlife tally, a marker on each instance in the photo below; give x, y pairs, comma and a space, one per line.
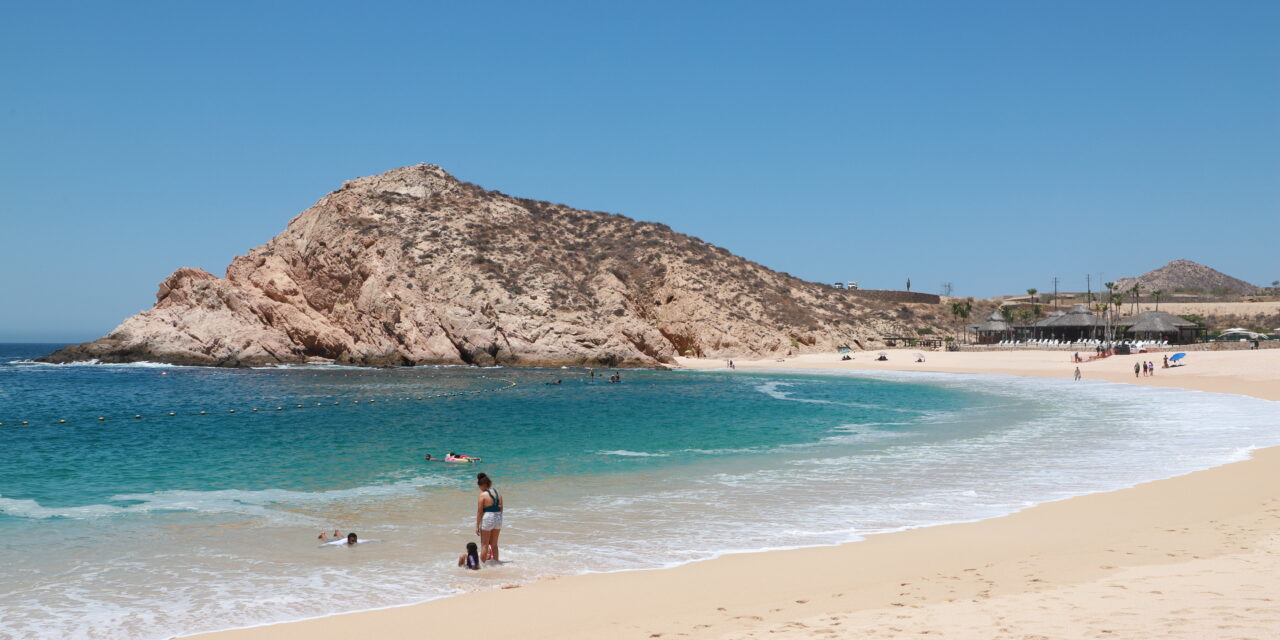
470, 559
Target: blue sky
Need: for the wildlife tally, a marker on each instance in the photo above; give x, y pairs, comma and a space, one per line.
989, 144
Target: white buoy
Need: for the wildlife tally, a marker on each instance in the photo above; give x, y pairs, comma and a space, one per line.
62, 422
138, 416
171, 414
101, 419
202, 413
232, 411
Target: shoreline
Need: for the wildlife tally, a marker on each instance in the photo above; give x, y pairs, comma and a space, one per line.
911, 580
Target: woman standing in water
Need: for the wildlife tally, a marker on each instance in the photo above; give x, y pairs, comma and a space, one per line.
488, 518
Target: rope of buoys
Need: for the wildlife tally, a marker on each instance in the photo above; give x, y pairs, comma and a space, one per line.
138, 416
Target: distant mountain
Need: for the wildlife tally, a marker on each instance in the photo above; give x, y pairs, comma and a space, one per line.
1185, 276
414, 266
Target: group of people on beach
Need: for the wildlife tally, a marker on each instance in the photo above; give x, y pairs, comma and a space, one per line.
489, 509
1145, 369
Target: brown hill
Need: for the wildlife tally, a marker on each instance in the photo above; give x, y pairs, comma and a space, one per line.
414, 267
1185, 276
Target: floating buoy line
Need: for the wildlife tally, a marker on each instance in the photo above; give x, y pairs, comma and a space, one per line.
203, 412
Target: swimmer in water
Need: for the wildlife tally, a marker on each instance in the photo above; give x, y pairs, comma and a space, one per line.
457, 457
351, 538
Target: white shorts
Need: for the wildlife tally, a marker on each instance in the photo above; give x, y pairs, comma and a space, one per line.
491, 520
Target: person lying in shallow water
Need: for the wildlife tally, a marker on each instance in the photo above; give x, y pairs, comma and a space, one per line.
470, 559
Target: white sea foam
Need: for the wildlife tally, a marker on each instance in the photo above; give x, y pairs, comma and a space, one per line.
774, 389
143, 364
227, 501
633, 454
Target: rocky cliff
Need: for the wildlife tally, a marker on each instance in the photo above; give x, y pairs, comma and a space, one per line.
1185, 276
416, 267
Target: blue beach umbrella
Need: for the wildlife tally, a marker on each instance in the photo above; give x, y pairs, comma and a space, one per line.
1177, 356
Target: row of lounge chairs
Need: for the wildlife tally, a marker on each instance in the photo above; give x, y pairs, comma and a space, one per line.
1136, 344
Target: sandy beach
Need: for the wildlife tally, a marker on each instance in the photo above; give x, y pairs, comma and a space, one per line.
1196, 556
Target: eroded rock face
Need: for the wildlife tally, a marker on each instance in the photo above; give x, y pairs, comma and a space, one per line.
415, 267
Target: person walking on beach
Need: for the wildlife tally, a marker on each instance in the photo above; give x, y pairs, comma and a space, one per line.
1077, 374
488, 518
1151, 366
1136, 368
1166, 361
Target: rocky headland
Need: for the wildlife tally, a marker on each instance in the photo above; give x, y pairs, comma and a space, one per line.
1185, 276
413, 266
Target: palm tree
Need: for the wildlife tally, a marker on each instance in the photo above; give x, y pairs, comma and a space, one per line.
1137, 295
962, 310
1156, 294
908, 284
1032, 293
1275, 287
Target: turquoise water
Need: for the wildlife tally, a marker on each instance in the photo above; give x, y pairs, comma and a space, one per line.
161, 525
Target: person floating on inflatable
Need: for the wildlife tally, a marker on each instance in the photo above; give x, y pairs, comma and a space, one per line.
457, 457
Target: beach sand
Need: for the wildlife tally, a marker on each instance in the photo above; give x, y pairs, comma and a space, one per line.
1197, 556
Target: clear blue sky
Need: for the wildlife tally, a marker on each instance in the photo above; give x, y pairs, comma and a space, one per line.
990, 144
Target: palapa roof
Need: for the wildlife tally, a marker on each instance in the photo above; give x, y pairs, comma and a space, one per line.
1078, 316
1156, 322
995, 322
1050, 320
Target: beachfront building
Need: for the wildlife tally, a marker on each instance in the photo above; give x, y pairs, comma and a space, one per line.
1160, 325
1040, 330
995, 329
1075, 324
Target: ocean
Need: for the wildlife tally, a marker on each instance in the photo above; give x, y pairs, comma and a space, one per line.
161, 525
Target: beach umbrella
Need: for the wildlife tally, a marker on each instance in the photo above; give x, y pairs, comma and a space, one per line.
918, 355
1177, 356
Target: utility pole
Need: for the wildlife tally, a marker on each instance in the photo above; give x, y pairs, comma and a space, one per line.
1055, 293
1088, 288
